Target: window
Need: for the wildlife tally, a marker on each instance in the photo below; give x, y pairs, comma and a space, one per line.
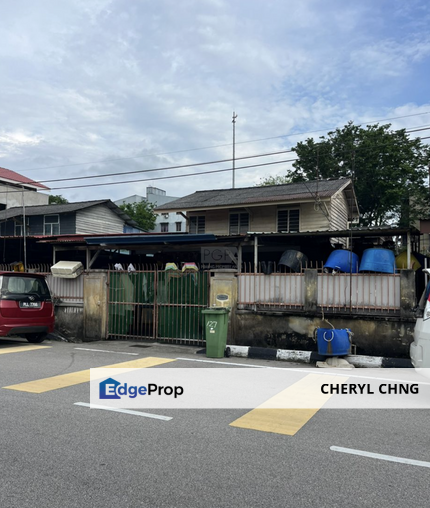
288, 220
239, 223
197, 224
51, 224
178, 227
164, 227
19, 228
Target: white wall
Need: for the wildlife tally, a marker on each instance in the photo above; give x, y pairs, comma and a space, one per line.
12, 196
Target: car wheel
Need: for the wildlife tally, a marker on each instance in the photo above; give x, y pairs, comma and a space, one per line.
35, 338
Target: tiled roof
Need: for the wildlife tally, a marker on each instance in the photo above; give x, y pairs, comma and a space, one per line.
253, 195
12, 176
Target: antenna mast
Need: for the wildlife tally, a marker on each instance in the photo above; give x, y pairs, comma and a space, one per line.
234, 145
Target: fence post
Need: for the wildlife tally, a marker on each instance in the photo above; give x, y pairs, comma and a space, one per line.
95, 305
407, 293
311, 290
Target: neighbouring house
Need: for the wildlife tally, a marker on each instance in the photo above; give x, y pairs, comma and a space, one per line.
84, 217
322, 205
18, 190
166, 222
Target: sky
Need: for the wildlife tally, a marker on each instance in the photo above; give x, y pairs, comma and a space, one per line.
109, 87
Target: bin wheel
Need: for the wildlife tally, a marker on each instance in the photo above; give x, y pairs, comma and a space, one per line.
227, 352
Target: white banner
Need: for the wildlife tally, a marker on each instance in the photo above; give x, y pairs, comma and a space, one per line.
248, 388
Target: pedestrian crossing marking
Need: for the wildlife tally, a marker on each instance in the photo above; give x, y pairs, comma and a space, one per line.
21, 349
272, 415
74, 378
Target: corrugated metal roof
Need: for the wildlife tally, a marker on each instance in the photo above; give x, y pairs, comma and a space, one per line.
13, 176
149, 239
253, 195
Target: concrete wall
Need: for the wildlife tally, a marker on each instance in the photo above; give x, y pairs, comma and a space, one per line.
69, 321
380, 337
12, 196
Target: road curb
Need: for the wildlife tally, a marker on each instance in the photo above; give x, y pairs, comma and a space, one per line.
288, 355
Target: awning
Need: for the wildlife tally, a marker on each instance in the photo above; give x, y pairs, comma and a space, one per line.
107, 241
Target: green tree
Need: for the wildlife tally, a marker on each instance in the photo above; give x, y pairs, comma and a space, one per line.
388, 170
141, 212
57, 200
276, 180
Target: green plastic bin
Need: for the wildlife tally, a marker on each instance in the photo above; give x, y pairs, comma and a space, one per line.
216, 326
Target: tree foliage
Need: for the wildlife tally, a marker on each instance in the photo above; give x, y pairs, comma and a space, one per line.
141, 212
275, 180
57, 200
388, 169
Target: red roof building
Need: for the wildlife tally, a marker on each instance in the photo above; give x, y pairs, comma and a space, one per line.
14, 178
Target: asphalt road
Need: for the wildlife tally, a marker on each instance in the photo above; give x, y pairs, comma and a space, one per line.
54, 453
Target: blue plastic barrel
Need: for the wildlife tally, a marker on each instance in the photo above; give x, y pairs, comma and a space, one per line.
333, 342
342, 261
378, 260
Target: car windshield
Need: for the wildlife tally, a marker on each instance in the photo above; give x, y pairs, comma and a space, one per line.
23, 285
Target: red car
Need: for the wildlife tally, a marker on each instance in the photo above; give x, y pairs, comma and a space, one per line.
26, 307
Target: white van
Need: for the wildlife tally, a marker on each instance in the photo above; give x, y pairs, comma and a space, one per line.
420, 347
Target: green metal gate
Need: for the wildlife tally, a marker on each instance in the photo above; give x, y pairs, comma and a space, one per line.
162, 305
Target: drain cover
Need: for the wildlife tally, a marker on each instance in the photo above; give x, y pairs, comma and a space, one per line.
138, 345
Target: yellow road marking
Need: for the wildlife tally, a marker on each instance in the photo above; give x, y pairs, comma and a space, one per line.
20, 349
305, 396
83, 376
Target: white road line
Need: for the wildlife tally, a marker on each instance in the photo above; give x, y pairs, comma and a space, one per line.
389, 458
126, 411
105, 351
227, 363
352, 373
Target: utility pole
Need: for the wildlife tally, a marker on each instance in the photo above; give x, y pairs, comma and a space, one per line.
234, 144
24, 232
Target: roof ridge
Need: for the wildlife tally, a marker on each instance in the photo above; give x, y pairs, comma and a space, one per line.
272, 185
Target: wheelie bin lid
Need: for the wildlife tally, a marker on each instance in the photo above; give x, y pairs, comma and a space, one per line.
216, 310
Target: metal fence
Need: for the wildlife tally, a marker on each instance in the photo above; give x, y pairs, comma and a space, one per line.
359, 291
66, 291
156, 304
277, 291
366, 293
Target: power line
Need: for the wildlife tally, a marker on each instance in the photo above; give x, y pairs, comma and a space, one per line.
217, 146
182, 166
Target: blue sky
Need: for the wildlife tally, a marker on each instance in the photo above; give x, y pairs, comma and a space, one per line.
93, 87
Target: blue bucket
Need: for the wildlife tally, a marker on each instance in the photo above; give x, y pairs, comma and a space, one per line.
342, 261
378, 260
332, 342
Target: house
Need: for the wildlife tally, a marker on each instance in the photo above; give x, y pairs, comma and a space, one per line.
18, 190
322, 205
166, 222
85, 217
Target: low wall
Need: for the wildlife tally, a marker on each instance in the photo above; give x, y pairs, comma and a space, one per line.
381, 337
69, 321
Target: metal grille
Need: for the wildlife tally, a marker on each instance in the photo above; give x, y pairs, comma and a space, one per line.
156, 304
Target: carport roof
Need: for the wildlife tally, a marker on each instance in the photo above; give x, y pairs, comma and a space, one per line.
149, 239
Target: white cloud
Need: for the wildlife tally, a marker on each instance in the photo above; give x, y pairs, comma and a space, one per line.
97, 80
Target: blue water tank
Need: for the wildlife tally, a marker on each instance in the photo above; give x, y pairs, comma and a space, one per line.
333, 342
378, 260
342, 261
